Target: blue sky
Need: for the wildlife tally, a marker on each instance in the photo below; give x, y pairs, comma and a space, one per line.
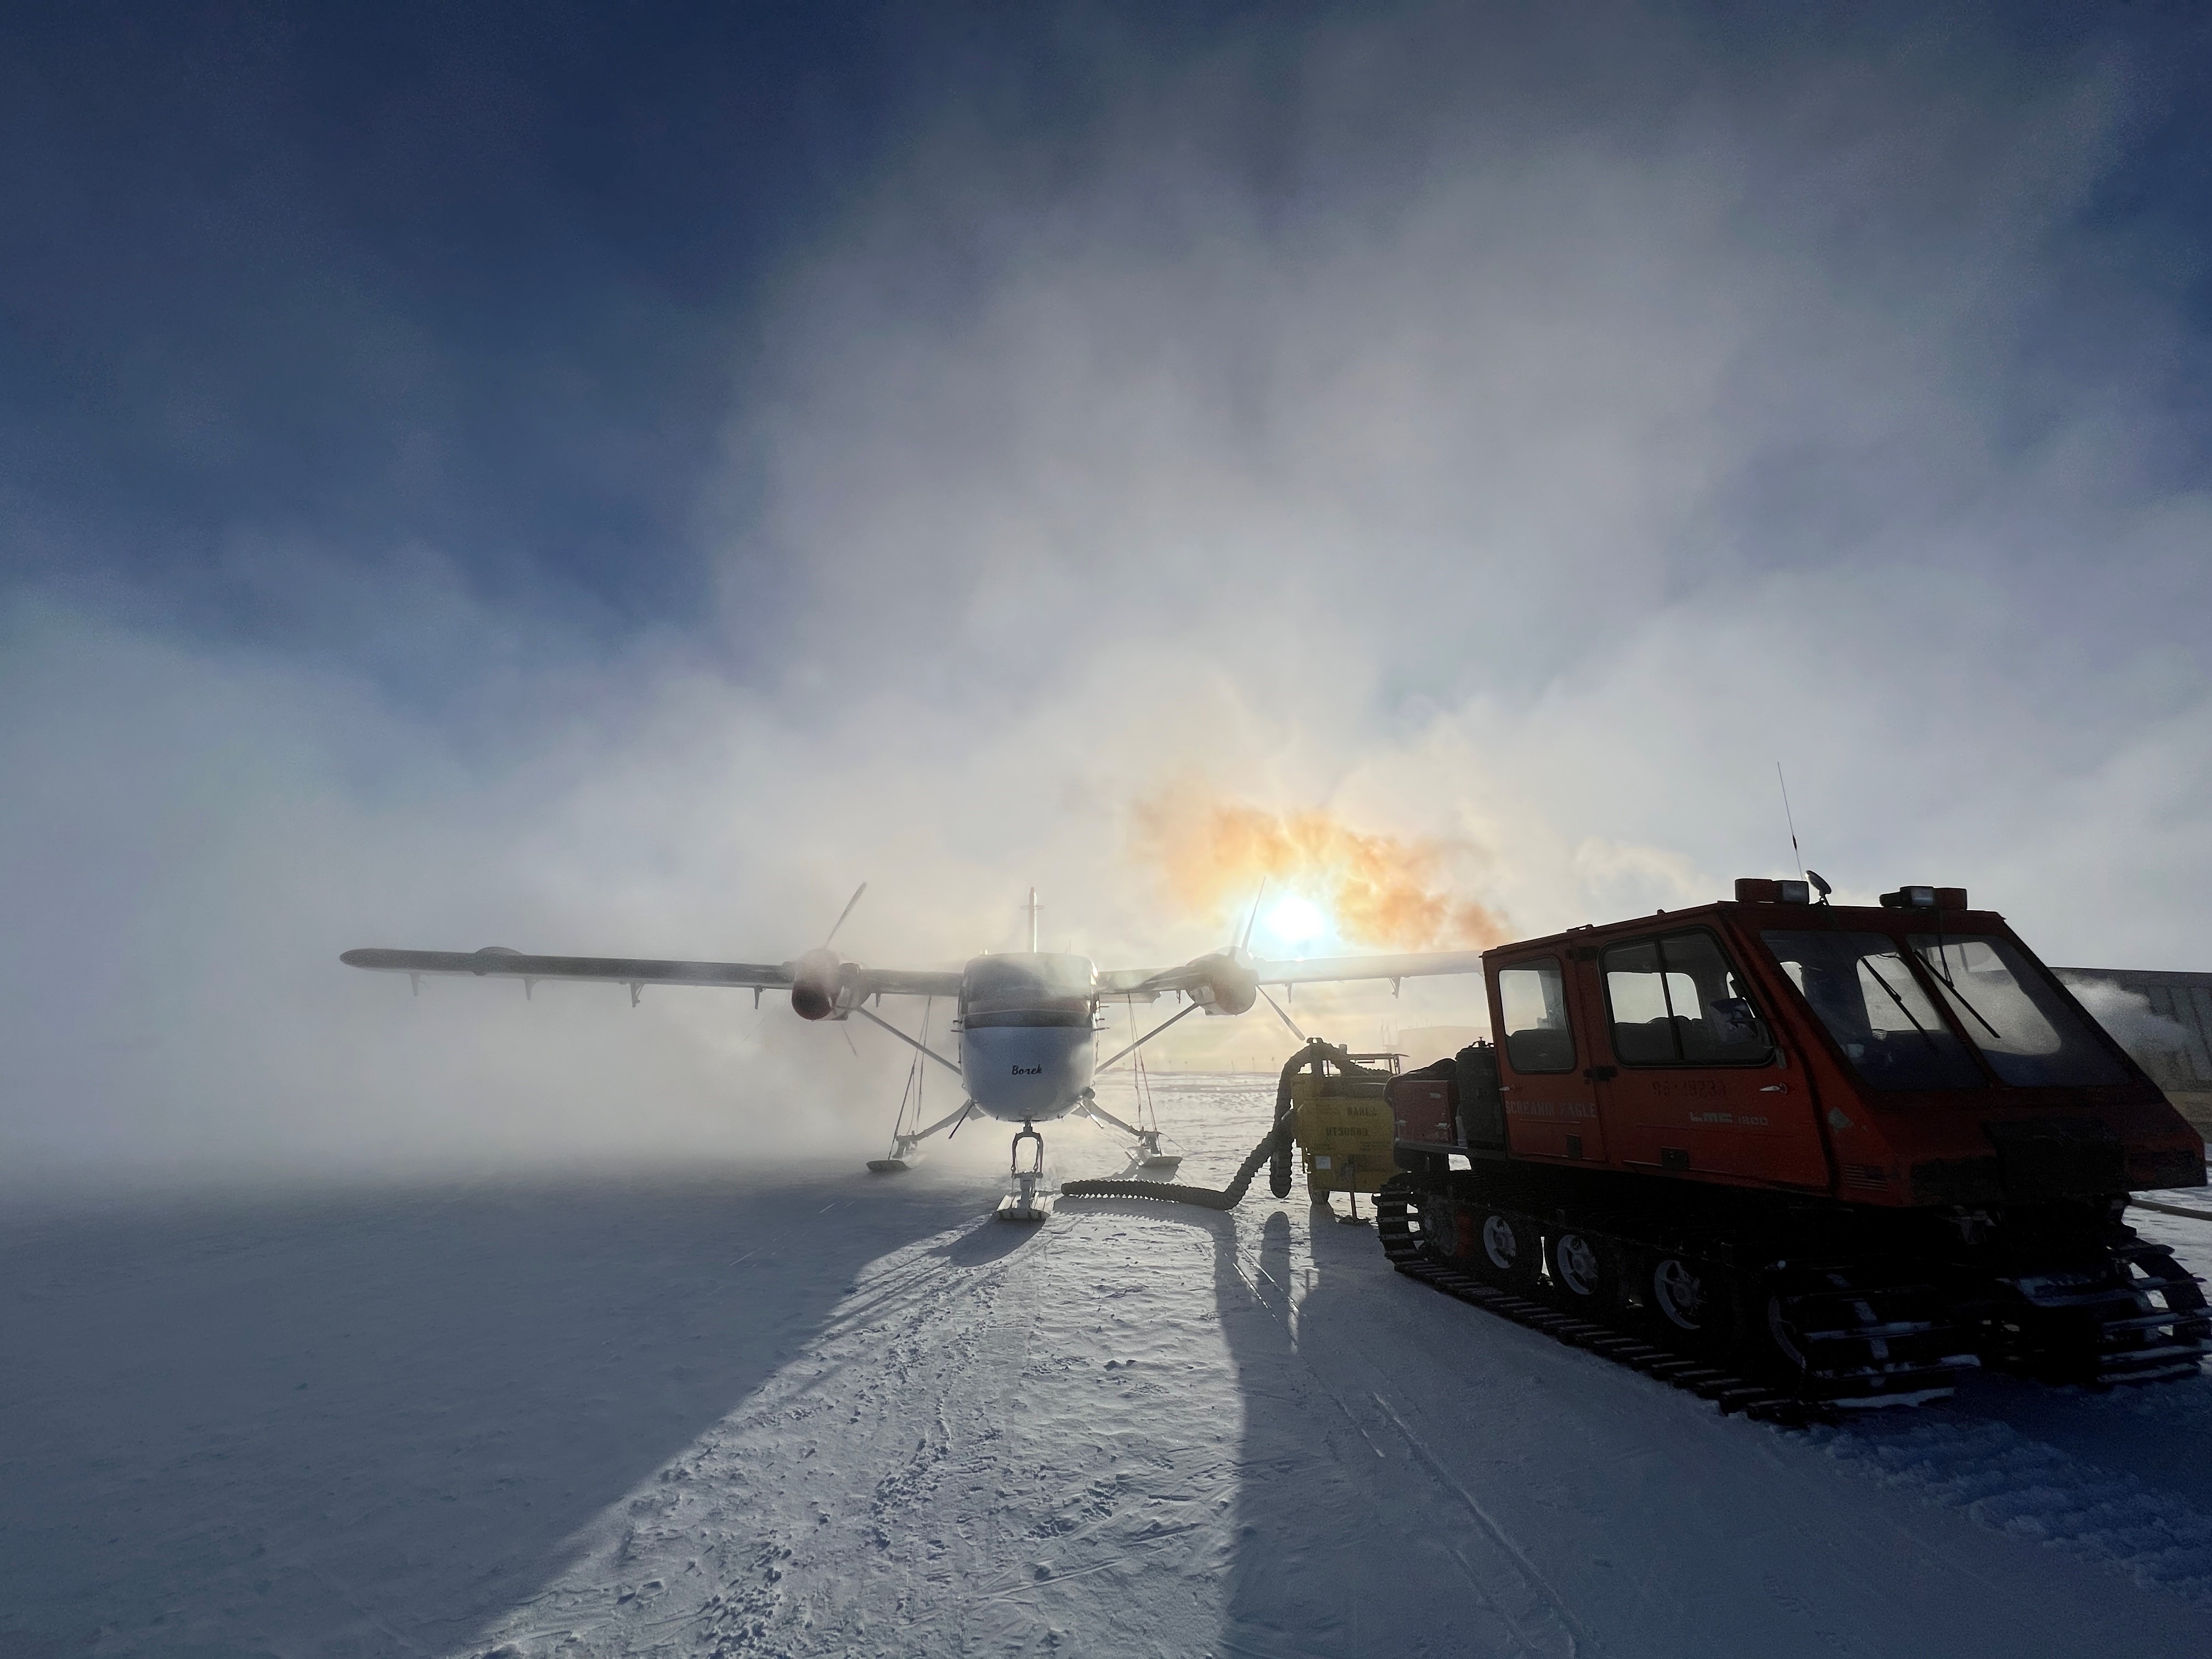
488, 278
478, 277
613, 480
491, 279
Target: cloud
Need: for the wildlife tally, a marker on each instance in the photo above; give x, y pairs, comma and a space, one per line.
2160, 1045
200, 834
1380, 890
1475, 452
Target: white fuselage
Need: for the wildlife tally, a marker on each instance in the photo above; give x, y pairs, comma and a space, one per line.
1028, 1036
1027, 1075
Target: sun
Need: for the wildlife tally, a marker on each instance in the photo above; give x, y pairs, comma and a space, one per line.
1296, 921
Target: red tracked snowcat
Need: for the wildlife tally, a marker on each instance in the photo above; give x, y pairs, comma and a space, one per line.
1804, 1154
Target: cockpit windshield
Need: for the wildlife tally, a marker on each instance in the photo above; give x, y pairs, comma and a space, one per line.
1026, 988
1866, 993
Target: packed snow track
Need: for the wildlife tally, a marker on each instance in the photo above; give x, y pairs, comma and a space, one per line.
832, 1413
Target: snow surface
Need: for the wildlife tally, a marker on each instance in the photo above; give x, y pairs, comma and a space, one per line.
823, 1412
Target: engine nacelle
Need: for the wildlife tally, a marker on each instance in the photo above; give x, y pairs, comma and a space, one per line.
816, 981
1228, 986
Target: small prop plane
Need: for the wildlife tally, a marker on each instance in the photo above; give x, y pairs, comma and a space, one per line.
1027, 1020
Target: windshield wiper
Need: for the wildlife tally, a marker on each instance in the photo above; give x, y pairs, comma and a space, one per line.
1942, 972
1927, 1036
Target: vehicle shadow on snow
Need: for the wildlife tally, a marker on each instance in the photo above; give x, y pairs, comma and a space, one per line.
1327, 1558
370, 1422
1322, 1563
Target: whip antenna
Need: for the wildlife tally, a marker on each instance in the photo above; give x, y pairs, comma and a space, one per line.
1789, 817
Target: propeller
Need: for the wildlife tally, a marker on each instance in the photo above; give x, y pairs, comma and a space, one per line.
842, 914
1245, 943
1283, 1014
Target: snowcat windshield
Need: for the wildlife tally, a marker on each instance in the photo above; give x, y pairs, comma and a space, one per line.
2031, 1033
1026, 989
1866, 993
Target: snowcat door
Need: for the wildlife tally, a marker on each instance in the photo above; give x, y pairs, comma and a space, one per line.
1550, 1110
1482, 1104
1698, 1083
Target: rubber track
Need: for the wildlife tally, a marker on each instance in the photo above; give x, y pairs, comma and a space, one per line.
2115, 1309
1730, 1393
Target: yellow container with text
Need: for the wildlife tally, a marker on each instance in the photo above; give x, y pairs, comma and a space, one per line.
1346, 1132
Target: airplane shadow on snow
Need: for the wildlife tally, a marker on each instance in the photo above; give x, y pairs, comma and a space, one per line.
368, 1423
985, 1242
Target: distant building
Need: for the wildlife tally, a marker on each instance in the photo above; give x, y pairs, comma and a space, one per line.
2163, 1019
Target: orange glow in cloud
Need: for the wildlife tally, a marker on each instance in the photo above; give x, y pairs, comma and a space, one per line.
1380, 891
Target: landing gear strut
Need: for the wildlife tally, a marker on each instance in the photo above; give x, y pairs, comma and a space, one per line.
903, 1146
1024, 1203
900, 1159
1146, 1153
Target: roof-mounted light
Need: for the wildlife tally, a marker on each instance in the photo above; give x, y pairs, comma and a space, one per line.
1757, 890
1925, 898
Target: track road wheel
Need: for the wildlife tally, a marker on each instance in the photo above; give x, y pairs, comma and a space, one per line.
1692, 1304
1585, 1273
1505, 1249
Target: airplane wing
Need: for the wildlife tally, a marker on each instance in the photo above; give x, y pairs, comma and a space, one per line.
1142, 980
1148, 982
1413, 966
638, 971
907, 982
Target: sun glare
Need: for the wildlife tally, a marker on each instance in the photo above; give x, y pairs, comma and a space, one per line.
1296, 920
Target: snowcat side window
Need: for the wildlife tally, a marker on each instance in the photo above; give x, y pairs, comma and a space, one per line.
1532, 998
1864, 991
1716, 1025
1676, 1001
2029, 1031
1636, 987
